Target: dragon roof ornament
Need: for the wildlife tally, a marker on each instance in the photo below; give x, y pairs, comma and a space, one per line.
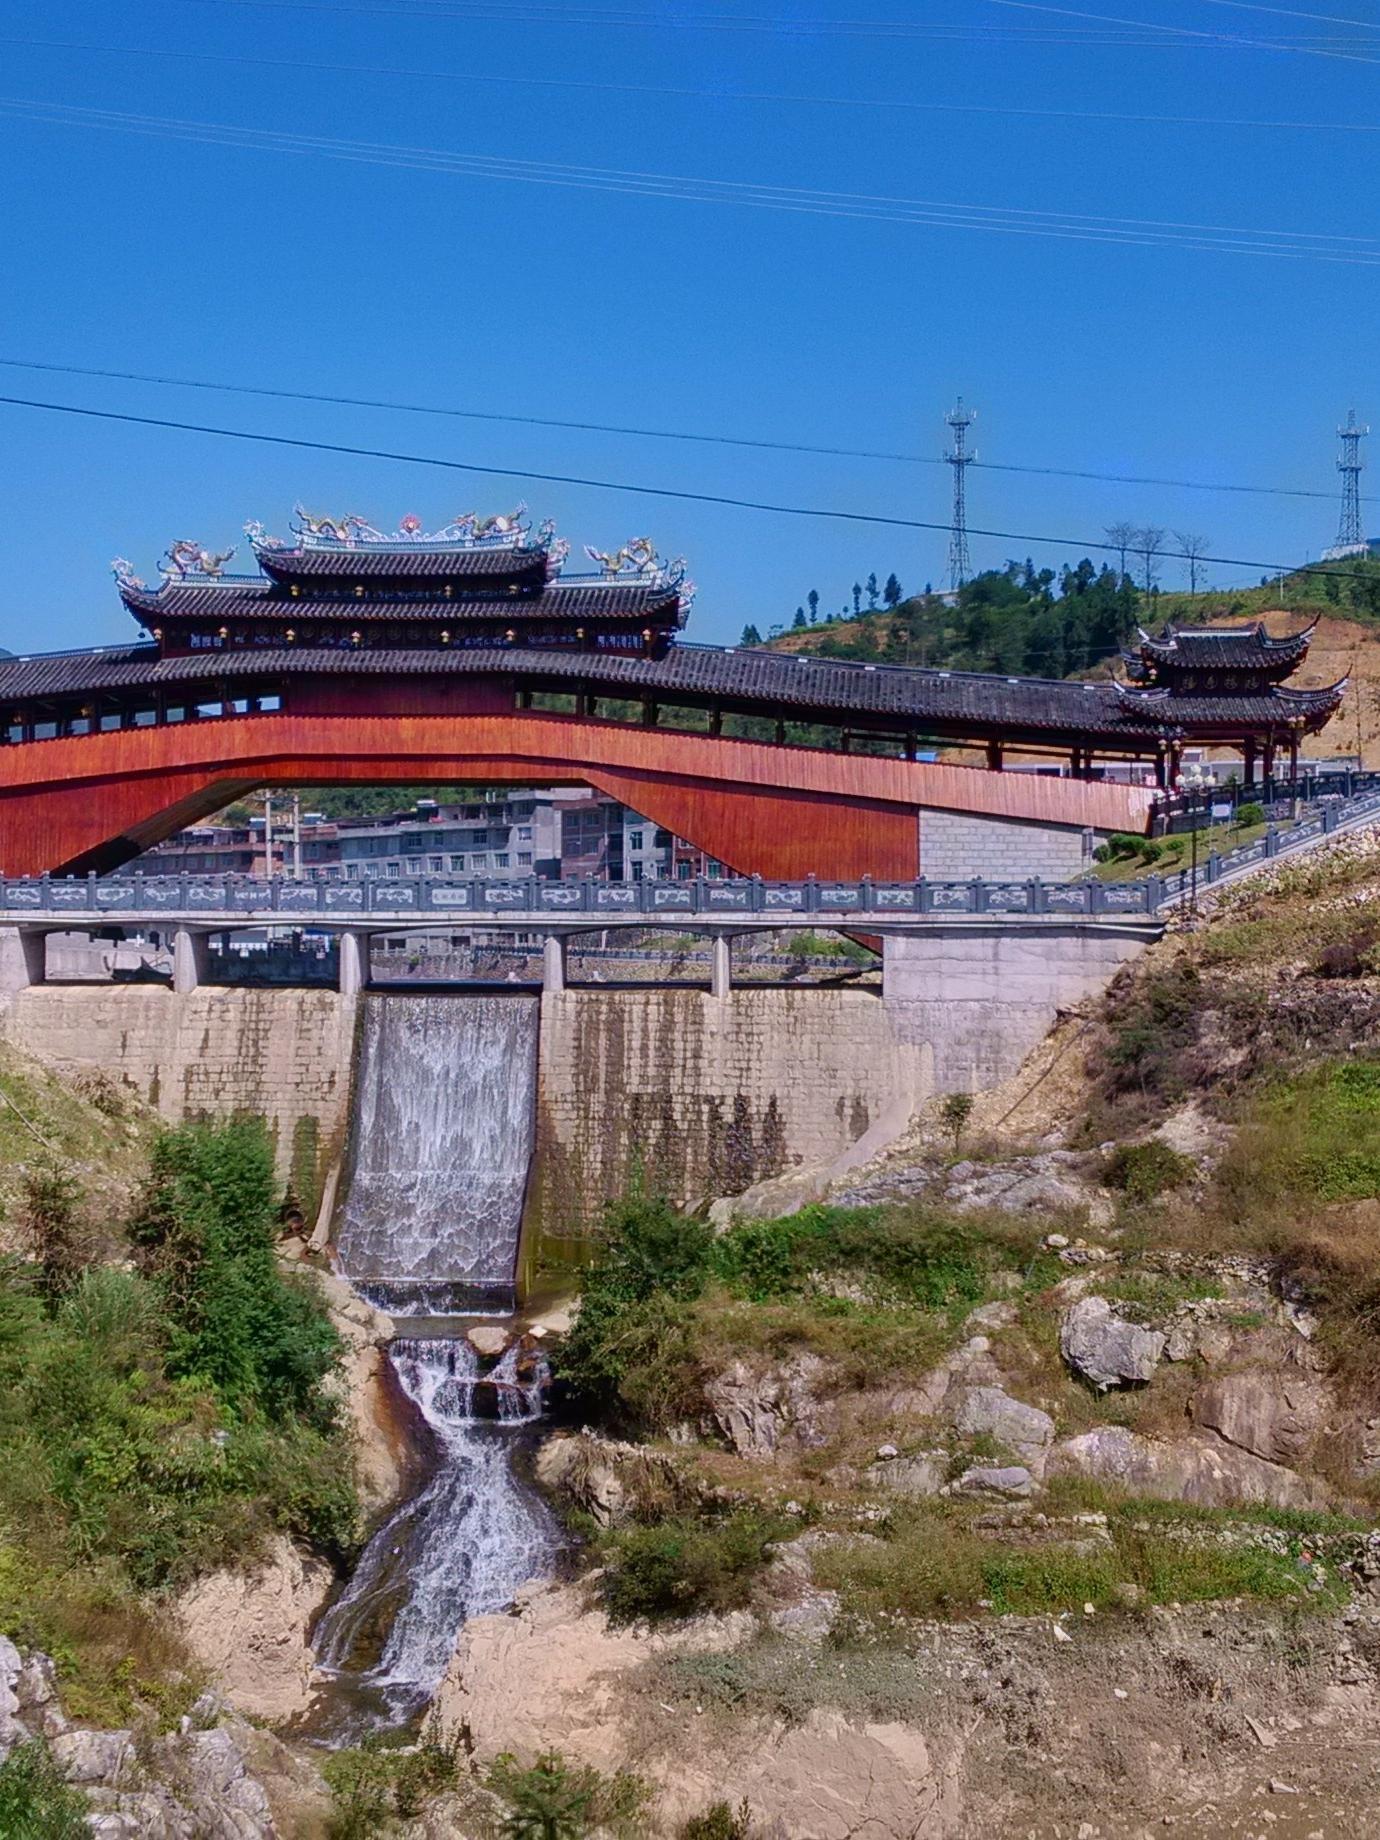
184, 560
638, 560
503, 530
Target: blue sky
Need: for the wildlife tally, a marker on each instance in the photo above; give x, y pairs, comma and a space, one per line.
286, 268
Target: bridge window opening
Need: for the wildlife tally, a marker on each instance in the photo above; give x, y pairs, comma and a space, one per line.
207, 710
112, 721
554, 702
79, 725
175, 712
269, 704
45, 731
145, 718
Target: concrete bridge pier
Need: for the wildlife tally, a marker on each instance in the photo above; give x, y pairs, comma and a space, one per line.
191, 959
553, 964
354, 962
721, 966
23, 958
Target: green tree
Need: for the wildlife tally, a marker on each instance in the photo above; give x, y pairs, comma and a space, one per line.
871, 591
891, 593
205, 1233
751, 636
857, 599
813, 599
799, 620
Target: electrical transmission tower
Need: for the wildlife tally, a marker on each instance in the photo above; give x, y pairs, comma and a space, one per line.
1349, 466
960, 566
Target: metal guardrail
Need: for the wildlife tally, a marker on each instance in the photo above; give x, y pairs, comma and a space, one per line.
495, 901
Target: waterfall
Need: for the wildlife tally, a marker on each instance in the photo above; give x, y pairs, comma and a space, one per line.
443, 1129
442, 1142
460, 1548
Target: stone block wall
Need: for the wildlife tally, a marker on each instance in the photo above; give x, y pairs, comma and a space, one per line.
283, 1054
955, 846
685, 1094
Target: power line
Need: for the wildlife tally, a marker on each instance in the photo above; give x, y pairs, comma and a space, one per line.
852, 103
679, 494
1189, 32
1132, 33
1290, 12
1006, 220
394, 407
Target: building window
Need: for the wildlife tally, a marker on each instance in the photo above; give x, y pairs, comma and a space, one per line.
634, 840
457, 865
501, 860
435, 864
414, 865
479, 862
524, 833
393, 869
524, 859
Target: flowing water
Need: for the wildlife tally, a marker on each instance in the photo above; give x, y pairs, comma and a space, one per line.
442, 1143
460, 1548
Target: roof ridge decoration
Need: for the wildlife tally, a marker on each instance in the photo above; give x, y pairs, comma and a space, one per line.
639, 560
123, 570
184, 558
502, 530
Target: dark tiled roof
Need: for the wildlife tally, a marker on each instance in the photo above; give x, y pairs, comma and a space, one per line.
252, 599
1258, 710
1240, 648
411, 562
799, 687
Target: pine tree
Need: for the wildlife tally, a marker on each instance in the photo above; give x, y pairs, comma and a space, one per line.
857, 599
891, 593
799, 620
751, 636
872, 591
813, 598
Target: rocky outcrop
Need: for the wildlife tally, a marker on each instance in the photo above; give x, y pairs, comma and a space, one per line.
1276, 1415
919, 1473
607, 1480
197, 1783
380, 1418
249, 1630
554, 1675
1107, 1349
1023, 1430
784, 1407
1201, 1470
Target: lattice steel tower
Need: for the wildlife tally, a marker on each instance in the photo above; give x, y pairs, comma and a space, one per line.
960, 566
1350, 466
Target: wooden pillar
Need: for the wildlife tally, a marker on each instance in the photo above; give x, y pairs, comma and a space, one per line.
716, 721
910, 747
1269, 758
649, 715
781, 734
994, 756
1248, 761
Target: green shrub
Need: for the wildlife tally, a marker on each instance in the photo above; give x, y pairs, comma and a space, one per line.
684, 1567
630, 1352
35, 1802
376, 1784
556, 1800
1122, 845
720, 1822
1252, 812
1149, 849
913, 1255
1143, 1171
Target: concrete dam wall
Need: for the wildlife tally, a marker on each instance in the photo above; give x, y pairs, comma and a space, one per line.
682, 1092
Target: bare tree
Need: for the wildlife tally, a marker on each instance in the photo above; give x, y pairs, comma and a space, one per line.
1121, 537
1148, 543
1192, 549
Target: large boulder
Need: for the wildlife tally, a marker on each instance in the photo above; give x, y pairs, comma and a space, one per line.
1106, 1349
249, 1630
1024, 1430
919, 1473
1274, 1415
1203, 1471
